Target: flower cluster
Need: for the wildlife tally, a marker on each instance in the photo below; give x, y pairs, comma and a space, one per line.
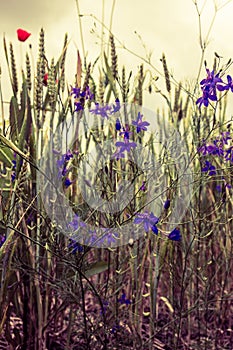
76, 223
105, 111
210, 85
81, 96
123, 300
220, 147
149, 221
62, 164
126, 145
209, 168
104, 236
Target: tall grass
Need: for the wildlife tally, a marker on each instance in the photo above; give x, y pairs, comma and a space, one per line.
151, 292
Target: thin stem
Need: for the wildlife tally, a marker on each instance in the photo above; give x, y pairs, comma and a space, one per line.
102, 35
80, 27
203, 43
111, 22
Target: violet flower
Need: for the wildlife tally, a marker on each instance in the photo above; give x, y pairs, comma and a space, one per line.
139, 123
175, 235
149, 221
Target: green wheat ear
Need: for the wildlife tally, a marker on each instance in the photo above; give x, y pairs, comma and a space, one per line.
113, 57
138, 95
38, 92
101, 89
140, 84
28, 73
13, 70
62, 64
40, 73
42, 57
166, 73
52, 83
123, 85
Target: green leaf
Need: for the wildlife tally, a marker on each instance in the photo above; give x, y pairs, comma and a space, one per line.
6, 155
26, 119
12, 146
14, 118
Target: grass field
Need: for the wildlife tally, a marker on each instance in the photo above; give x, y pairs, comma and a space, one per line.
115, 220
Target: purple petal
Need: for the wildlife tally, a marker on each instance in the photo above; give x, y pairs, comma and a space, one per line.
175, 235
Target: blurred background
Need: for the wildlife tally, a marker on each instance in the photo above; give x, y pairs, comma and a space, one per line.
165, 26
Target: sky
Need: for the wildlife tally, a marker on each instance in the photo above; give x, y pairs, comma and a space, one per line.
164, 25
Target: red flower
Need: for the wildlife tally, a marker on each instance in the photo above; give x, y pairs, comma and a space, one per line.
22, 34
45, 79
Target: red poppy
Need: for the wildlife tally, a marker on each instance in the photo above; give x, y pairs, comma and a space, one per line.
45, 80
22, 34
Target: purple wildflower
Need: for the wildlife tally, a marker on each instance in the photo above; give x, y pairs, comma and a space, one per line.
118, 155
14, 164
219, 188
229, 154
204, 99
68, 155
228, 86
167, 204
209, 168
208, 87
81, 96
2, 240
61, 163
123, 300
107, 236
76, 223
115, 328
126, 133
210, 149
67, 182
118, 124
75, 246
116, 107
13, 176
126, 145
143, 187
149, 220
87, 93
154, 229
211, 81
175, 235
103, 111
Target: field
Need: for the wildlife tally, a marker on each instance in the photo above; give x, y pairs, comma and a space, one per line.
115, 220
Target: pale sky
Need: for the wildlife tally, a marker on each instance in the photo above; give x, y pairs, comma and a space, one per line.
169, 26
